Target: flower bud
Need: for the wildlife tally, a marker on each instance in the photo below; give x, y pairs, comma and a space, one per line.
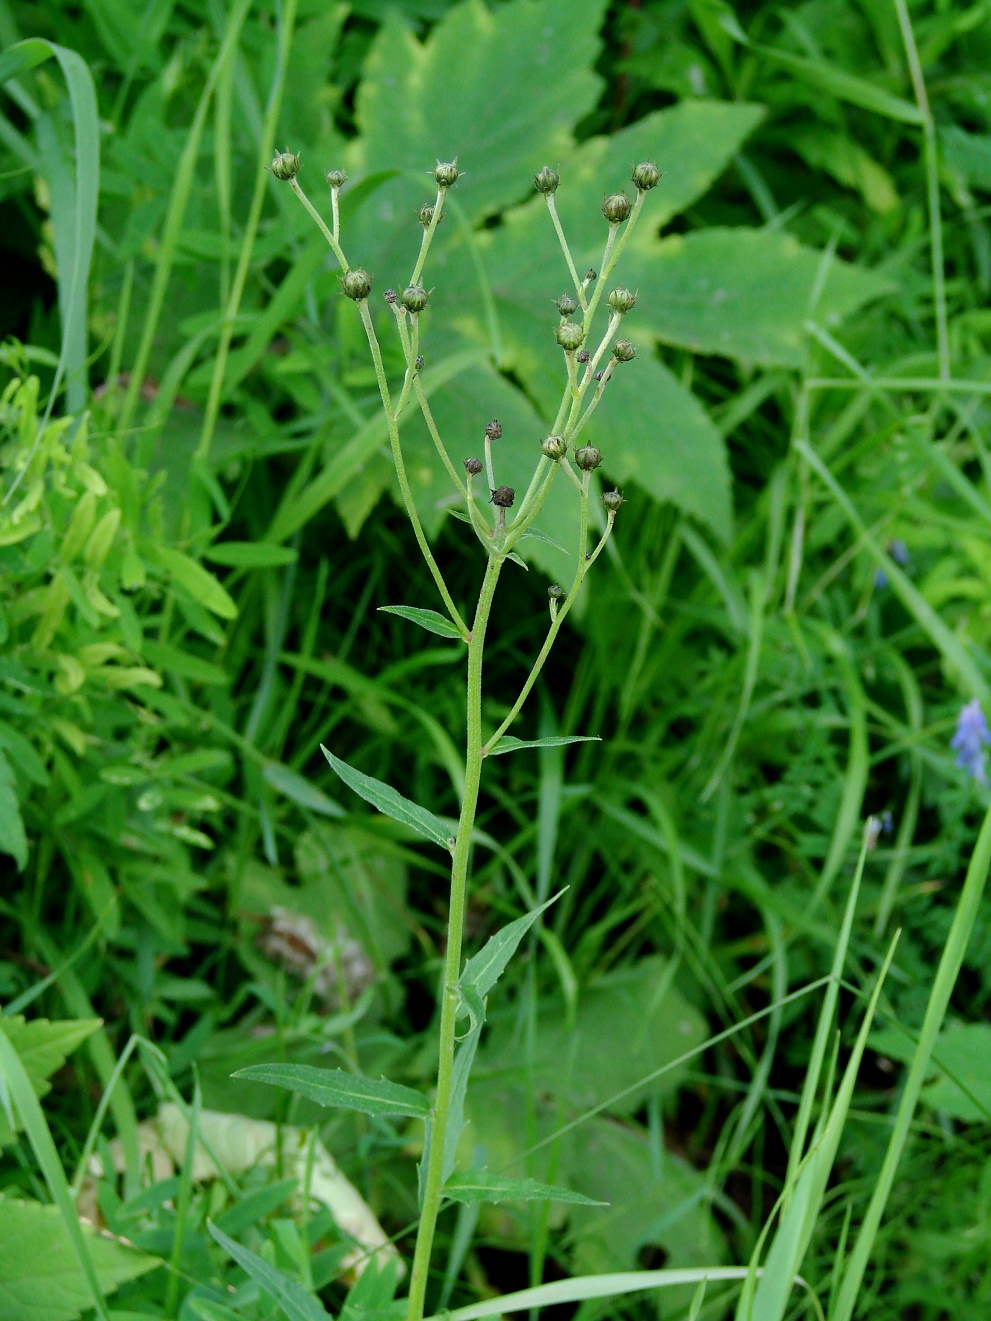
566, 305
503, 496
336, 178
447, 174
591, 274
555, 447
390, 296
622, 300
426, 214
473, 467
623, 351
357, 284
546, 181
582, 355
645, 176
569, 336
616, 208
418, 361
415, 298
598, 376
555, 592
588, 458
612, 501
285, 166
493, 429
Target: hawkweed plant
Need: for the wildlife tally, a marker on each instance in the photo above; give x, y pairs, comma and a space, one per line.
591, 353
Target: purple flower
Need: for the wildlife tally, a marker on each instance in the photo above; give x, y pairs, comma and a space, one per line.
971, 738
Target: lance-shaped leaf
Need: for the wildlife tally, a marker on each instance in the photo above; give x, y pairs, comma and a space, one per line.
509, 744
473, 1186
292, 1298
340, 1090
484, 969
428, 619
391, 802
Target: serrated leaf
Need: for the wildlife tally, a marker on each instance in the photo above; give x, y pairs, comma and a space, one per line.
428, 619
474, 1186
509, 744
201, 585
292, 1298
250, 555
484, 969
340, 1090
43, 1047
40, 1276
390, 802
300, 790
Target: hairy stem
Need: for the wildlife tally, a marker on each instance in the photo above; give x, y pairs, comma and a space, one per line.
556, 220
434, 1185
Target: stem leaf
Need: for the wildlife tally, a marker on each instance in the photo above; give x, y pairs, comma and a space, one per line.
340, 1090
471, 1186
292, 1298
484, 969
431, 620
390, 802
509, 744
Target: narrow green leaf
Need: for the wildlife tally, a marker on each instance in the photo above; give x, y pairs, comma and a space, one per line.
428, 619
250, 555
484, 969
301, 791
173, 660
201, 585
292, 1298
846, 86
340, 1090
13, 840
391, 802
472, 1186
509, 744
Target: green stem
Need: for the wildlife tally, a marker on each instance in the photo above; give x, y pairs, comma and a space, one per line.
434, 1184
335, 213
335, 247
397, 455
556, 221
428, 236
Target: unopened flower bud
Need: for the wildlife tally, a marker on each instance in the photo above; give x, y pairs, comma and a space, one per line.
473, 467
622, 300
588, 458
645, 175
414, 298
447, 174
591, 274
567, 305
598, 376
569, 336
426, 214
503, 496
546, 181
612, 501
336, 178
493, 429
582, 355
616, 208
418, 361
555, 447
357, 284
390, 296
623, 351
555, 592
285, 166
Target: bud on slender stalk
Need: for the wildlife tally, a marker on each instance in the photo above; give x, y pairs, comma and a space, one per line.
554, 592
623, 351
588, 458
493, 429
569, 336
566, 305
555, 447
473, 467
617, 208
591, 275
337, 179
612, 501
391, 297
285, 166
357, 284
546, 181
414, 298
622, 300
446, 173
645, 176
582, 355
503, 497
426, 214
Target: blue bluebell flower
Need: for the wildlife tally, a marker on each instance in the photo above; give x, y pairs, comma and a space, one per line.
970, 740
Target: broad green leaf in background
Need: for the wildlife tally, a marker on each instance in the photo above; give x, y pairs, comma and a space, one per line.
43, 1047
968, 153
342, 1091
963, 1051
472, 1186
391, 802
40, 1277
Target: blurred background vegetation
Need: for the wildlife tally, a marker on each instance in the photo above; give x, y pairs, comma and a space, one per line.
794, 609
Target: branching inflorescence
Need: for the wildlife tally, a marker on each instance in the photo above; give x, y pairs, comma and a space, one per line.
589, 365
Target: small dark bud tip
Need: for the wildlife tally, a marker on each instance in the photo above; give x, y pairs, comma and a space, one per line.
503, 496
616, 208
285, 166
622, 300
418, 361
414, 298
566, 305
390, 296
598, 376
591, 274
645, 176
588, 458
446, 173
582, 355
569, 336
555, 447
426, 214
336, 178
555, 592
612, 501
546, 181
493, 429
357, 284
623, 351
473, 467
